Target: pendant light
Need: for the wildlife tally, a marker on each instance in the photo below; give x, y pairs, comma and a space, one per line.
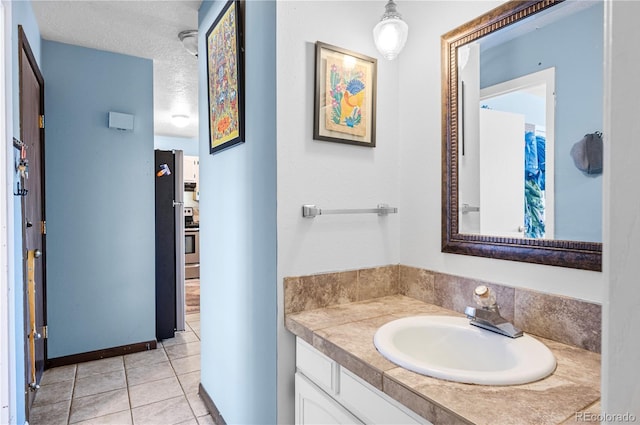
390, 34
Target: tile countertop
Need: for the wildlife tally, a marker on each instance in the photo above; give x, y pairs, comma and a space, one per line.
345, 334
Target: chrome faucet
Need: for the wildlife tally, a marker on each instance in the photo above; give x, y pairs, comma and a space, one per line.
488, 315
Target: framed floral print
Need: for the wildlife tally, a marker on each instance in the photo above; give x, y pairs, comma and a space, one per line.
225, 79
345, 96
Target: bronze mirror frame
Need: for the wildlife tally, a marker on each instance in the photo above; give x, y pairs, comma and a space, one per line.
563, 253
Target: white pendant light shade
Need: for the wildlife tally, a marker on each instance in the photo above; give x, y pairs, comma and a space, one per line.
390, 34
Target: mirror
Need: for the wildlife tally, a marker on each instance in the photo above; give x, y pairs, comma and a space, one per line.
522, 90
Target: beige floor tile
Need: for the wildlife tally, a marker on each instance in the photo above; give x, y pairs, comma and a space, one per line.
101, 383
152, 392
95, 367
97, 405
148, 373
186, 364
119, 418
192, 421
192, 296
53, 393
50, 414
197, 405
58, 374
206, 420
183, 350
145, 358
190, 382
180, 338
193, 317
166, 412
196, 330
157, 387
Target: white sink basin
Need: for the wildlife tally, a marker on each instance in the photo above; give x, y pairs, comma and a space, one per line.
450, 348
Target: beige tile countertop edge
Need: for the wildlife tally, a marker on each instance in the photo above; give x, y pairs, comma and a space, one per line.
345, 334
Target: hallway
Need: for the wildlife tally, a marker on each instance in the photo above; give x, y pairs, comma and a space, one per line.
157, 387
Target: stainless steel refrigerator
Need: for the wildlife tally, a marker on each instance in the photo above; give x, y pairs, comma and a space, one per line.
170, 260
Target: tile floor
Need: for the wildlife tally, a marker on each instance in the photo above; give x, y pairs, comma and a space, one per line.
157, 387
192, 295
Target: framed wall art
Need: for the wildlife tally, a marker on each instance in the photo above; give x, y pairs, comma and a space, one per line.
225, 79
345, 96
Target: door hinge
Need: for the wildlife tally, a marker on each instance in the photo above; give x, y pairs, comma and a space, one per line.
41, 121
43, 227
45, 331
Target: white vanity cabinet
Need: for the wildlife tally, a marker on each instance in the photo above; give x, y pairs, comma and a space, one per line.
327, 393
314, 406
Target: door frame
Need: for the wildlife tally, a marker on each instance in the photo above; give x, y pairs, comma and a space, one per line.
548, 78
7, 307
23, 45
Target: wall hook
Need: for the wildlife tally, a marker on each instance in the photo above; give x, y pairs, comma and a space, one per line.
21, 192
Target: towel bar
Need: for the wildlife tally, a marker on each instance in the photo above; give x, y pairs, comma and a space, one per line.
310, 211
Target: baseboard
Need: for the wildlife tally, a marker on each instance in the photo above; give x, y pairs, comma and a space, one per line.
101, 354
211, 406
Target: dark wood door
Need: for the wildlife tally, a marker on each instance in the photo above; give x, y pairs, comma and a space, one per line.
33, 212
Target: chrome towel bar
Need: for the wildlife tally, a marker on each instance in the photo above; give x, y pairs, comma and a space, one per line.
310, 211
466, 209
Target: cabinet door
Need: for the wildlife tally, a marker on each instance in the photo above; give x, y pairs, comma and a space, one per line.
372, 406
314, 406
190, 169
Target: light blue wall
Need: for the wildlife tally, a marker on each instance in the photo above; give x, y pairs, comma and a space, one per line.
166, 143
575, 47
238, 236
21, 14
100, 200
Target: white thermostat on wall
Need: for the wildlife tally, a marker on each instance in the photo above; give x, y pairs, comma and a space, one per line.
121, 121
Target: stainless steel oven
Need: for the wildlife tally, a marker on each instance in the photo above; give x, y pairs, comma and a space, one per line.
192, 253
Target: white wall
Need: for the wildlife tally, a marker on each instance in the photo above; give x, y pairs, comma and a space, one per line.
420, 163
404, 169
330, 175
621, 325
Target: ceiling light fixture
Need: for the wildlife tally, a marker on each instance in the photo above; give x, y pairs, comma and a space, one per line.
180, 120
189, 40
390, 34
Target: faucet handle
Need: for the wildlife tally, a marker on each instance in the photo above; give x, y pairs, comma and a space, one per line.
484, 297
481, 290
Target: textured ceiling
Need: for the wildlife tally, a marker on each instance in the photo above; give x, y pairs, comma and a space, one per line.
144, 28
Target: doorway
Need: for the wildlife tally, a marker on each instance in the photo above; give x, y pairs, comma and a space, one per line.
192, 233
526, 105
32, 198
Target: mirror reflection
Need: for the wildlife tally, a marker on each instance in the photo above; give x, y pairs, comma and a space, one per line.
530, 115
